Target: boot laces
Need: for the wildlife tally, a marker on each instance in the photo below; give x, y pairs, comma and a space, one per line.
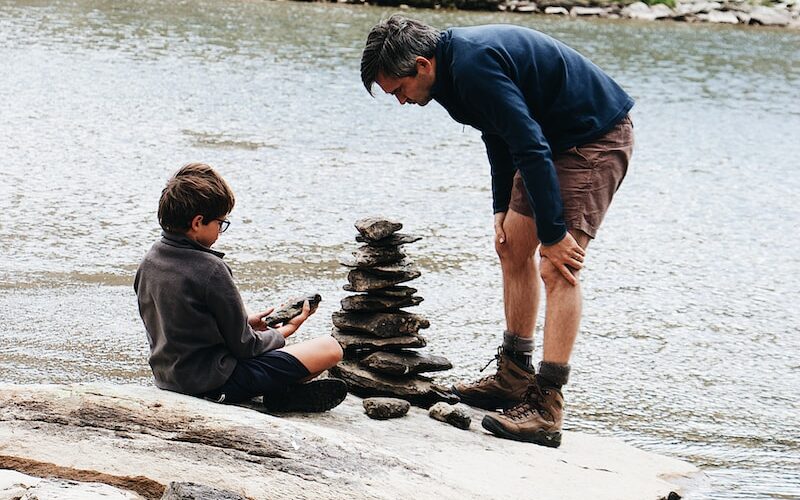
496, 359
531, 404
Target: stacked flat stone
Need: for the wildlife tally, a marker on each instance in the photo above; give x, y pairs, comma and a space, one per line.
373, 329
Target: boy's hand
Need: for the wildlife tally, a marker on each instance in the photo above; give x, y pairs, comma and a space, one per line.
255, 321
293, 324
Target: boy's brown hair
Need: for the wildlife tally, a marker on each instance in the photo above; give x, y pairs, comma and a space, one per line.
195, 189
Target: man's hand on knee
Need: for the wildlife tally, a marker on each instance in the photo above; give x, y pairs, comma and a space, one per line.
565, 255
499, 233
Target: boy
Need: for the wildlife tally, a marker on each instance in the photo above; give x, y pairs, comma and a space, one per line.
202, 341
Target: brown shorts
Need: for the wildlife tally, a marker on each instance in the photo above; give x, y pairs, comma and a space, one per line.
588, 175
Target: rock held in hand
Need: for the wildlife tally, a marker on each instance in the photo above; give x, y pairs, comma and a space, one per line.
377, 228
292, 308
455, 415
385, 408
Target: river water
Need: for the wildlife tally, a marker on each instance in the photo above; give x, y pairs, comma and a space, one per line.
689, 344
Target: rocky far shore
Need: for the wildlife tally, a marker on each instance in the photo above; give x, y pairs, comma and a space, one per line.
101, 441
746, 12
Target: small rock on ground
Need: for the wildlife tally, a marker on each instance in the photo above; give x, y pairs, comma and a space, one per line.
385, 408
455, 415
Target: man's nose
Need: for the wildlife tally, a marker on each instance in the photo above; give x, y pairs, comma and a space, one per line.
401, 98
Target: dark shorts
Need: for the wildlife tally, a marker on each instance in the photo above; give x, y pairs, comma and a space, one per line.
257, 376
588, 176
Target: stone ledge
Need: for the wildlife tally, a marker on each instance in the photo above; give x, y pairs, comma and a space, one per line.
133, 431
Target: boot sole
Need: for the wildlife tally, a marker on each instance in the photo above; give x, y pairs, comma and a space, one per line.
485, 404
542, 438
315, 397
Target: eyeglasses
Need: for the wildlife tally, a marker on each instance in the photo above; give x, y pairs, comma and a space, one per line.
223, 224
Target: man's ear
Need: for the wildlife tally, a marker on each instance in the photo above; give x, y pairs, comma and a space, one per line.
197, 221
423, 64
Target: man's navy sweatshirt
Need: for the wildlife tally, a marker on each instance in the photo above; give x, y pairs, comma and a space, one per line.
531, 96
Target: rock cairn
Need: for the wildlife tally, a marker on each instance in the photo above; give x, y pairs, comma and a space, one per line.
374, 330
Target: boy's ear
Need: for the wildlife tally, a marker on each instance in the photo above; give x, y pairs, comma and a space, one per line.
197, 221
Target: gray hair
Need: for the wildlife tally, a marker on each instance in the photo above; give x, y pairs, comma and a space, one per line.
393, 46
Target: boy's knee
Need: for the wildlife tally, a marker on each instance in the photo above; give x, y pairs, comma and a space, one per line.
335, 351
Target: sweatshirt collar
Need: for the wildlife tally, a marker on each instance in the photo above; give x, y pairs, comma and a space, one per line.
179, 240
442, 69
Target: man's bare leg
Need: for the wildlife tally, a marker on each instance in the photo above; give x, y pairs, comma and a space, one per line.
563, 309
521, 287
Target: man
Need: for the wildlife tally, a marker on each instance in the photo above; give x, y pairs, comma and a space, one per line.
559, 139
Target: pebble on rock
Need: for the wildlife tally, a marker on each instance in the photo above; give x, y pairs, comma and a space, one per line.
394, 240
361, 280
372, 303
405, 363
385, 408
353, 341
455, 415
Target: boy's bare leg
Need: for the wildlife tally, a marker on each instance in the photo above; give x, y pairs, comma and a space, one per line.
317, 355
521, 288
562, 310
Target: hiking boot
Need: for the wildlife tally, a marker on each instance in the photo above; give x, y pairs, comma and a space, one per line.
315, 396
536, 420
503, 389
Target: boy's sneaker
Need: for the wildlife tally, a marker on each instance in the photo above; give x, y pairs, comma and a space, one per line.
504, 389
315, 396
536, 420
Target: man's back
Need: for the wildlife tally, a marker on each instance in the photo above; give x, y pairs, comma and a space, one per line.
571, 99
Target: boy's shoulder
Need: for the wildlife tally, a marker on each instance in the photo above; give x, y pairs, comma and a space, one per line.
183, 252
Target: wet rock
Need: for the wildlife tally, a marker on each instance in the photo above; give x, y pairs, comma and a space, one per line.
394, 240
361, 280
697, 7
395, 291
720, 17
373, 303
586, 11
194, 491
769, 16
417, 390
377, 228
384, 325
455, 415
639, 10
292, 308
404, 363
556, 10
369, 256
354, 341
385, 408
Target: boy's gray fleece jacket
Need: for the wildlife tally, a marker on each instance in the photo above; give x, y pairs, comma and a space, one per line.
194, 316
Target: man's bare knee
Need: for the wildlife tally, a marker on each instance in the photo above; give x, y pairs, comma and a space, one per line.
552, 277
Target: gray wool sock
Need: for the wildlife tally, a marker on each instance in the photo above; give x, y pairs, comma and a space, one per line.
553, 374
520, 349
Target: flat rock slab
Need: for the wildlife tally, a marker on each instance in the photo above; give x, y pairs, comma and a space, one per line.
386, 408
292, 308
392, 291
194, 491
405, 363
351, 341
362, 280
377, 303
455, 415
392, 324
394, 240
377, 228
133, 431
368, 256
417, 390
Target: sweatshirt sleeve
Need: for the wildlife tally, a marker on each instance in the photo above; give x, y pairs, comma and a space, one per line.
486, 88
226, 305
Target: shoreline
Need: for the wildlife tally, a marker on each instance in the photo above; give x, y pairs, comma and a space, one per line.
143, 439
785, 14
